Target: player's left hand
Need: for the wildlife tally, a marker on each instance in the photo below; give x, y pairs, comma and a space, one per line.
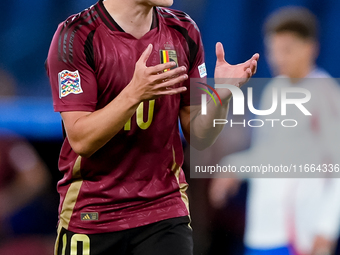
237, 75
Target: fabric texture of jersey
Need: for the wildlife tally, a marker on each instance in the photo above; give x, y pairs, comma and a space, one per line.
136, 178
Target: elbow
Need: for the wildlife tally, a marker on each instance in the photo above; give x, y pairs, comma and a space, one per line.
201, 144
82, 149
201, 147
85, 154
197, 143
85, 147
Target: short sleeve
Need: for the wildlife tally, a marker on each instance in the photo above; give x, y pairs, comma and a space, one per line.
197, 72
72, 77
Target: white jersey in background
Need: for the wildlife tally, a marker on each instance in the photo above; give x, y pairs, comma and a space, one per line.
283, 211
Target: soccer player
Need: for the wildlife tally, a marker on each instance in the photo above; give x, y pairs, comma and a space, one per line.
119, 73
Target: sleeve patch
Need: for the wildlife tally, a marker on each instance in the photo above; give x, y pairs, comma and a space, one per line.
69, 83
202, 70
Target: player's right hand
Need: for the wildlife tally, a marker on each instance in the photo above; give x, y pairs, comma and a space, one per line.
152, 82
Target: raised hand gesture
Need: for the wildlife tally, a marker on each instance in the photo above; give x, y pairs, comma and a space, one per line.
237, 75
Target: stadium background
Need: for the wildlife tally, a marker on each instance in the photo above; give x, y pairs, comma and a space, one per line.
25, 34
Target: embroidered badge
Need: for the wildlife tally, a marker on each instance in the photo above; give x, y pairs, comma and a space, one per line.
167, 56
69, 83
89, 216
202, 70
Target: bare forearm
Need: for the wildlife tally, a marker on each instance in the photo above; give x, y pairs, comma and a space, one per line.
93, 130
88, 132
203, 132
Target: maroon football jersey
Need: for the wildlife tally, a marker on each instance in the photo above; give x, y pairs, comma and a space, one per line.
136, 178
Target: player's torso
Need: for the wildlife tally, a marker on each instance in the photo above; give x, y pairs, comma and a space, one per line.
135, 178
154, 124
116, 53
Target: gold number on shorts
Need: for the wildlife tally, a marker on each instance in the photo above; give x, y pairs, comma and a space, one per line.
64, 244
140, 116
80, 238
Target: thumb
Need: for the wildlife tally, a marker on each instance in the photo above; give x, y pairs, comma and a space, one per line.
219, 52
146, 54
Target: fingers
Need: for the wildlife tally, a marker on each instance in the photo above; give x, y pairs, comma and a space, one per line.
251, 64
219, 52
256, 57
172, 91
146, 54
153, 82
161, 67
165, 82
154, 69
170, 74
172, 82
254, 67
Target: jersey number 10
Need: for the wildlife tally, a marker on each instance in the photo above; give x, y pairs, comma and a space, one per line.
140, 116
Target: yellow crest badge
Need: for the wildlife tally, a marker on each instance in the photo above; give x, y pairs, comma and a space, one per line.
167, 56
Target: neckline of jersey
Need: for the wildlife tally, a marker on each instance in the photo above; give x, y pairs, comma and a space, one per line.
113, 25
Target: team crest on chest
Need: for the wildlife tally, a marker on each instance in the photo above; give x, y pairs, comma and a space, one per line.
69, 83
167, 56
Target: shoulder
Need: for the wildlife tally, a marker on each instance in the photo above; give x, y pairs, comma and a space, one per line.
280, 81
318, 73
73, 33
173, 16
178, 20
79, 24
185, 27
321, 81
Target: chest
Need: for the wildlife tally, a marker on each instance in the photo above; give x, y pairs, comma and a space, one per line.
115, 56
116, 53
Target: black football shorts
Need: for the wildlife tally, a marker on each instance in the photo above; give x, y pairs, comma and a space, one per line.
167, 237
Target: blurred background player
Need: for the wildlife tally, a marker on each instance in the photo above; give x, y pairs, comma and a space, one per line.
24, 179
289, 216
